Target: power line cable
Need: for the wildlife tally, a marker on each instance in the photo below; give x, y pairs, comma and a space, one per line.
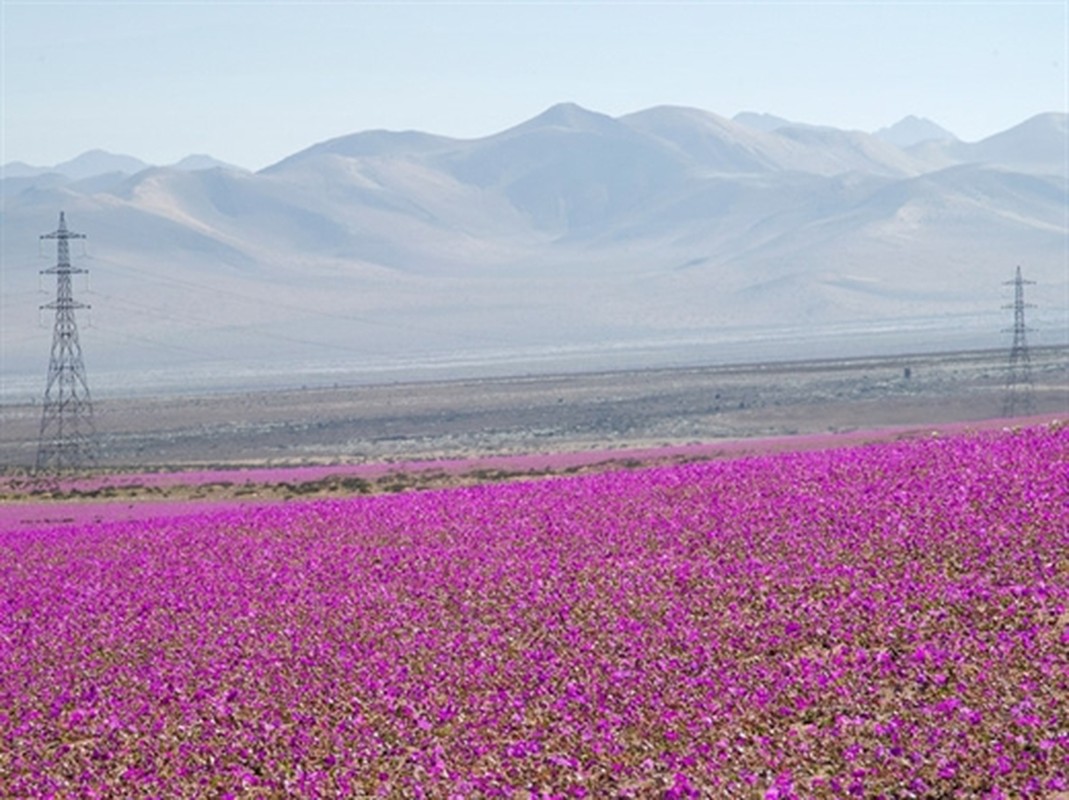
313, 312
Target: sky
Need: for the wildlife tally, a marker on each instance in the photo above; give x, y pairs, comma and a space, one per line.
252, 82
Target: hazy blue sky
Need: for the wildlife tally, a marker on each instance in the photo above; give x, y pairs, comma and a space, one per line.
251, 82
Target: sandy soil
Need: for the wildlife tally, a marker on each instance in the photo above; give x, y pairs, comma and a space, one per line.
542, 414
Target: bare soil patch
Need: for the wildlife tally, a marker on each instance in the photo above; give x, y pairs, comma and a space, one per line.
394, 437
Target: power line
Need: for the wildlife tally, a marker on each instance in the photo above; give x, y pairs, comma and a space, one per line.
156, 313
216, 290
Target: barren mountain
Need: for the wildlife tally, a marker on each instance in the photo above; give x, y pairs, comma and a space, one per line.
913, 130
573, 239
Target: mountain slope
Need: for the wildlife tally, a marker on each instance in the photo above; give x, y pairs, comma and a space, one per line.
567, 236
913, 130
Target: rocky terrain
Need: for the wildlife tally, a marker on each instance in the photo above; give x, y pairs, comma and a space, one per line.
556, 413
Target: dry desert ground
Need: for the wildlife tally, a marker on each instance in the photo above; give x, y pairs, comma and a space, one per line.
548, 413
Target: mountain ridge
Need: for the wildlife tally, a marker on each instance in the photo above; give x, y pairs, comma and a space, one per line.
571, 232
76, 167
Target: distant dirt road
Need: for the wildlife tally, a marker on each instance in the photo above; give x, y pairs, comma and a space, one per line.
548, 413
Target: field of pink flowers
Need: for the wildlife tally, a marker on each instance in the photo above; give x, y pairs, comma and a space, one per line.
886, 620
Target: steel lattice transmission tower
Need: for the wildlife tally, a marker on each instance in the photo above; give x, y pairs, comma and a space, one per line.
68, 437
1020, 393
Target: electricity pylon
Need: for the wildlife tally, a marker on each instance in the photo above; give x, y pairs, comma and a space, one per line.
1020, 392
68, 437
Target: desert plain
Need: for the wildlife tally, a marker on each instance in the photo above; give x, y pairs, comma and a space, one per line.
619, 410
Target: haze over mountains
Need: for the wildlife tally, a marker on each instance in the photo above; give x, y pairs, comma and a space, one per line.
572, 240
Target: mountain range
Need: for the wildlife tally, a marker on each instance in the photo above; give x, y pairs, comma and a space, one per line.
572, 240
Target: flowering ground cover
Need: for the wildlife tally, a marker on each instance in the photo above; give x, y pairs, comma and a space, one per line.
886, 620
27, 501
